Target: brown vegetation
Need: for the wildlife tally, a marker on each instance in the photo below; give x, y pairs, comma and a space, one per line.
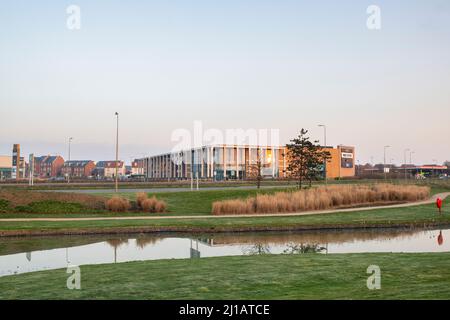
322, 198
117, 204
140, 198
25, 197
150, 204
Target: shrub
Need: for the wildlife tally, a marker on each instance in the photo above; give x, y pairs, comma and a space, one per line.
154, 205
140, 198
322, 198
117, 204
4, 205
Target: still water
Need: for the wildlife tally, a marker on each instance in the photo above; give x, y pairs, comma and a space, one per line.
20, 255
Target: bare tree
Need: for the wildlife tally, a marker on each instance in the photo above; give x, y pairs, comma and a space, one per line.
255, 169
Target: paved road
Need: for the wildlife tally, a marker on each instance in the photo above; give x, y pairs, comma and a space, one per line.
403, 205
158, 190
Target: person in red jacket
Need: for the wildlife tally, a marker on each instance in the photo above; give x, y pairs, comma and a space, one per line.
439, 204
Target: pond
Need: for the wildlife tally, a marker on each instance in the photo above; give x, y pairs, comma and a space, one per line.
21, 255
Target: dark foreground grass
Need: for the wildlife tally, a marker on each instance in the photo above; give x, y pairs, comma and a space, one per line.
302, 276
416, 216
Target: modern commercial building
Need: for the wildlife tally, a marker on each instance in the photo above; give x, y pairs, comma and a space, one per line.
78, 168
237, 162
16, 163
5, 167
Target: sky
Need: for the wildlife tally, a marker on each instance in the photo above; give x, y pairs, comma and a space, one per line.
231, 64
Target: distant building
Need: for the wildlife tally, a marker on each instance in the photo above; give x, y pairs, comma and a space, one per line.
78, 168
16, 163
5, 167
107, 169
138, 167
235, 162
48, 166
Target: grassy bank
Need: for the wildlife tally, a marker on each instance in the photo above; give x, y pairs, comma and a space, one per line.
416, 216
26, 204
301, 276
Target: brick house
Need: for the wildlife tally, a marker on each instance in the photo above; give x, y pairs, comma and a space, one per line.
78, 168
48, 166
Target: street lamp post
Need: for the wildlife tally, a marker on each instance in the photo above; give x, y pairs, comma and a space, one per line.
404, 155
410, 158
70, 168
117, 152
324, 145
384, 167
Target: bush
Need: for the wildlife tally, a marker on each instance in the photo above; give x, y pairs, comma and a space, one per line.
322, 198
154, 205
117, 204
140, 198
4, 205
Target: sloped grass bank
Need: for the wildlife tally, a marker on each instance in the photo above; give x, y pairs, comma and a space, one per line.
298, 276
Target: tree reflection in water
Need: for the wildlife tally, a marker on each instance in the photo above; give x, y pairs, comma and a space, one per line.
295, 248
257, 249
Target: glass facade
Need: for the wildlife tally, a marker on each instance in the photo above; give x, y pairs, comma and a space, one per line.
223, 162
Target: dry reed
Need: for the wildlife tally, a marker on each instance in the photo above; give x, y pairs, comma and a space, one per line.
153, 205
117, 204
322, 198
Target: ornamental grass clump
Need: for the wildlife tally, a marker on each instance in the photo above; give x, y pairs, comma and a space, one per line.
152, 204
140, 198
117, 204
322, 198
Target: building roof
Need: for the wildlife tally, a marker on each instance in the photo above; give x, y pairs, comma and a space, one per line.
50, 159
109, 164
77, 163
432, 167
46, 159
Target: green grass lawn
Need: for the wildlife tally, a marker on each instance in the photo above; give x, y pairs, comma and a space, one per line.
301, 276
199, 202
179, 203
419, 216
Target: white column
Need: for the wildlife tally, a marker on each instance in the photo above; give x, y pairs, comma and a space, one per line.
224, 162
237, 163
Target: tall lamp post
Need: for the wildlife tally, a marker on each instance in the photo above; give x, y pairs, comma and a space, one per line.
404, 155
384, 167
410, 158
70, 169
324, 144
117, 151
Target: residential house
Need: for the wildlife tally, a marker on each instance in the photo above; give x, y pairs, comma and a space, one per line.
48, 166
107, 169
78, 168
138, 167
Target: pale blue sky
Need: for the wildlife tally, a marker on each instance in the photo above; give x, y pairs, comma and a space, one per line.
231, 64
